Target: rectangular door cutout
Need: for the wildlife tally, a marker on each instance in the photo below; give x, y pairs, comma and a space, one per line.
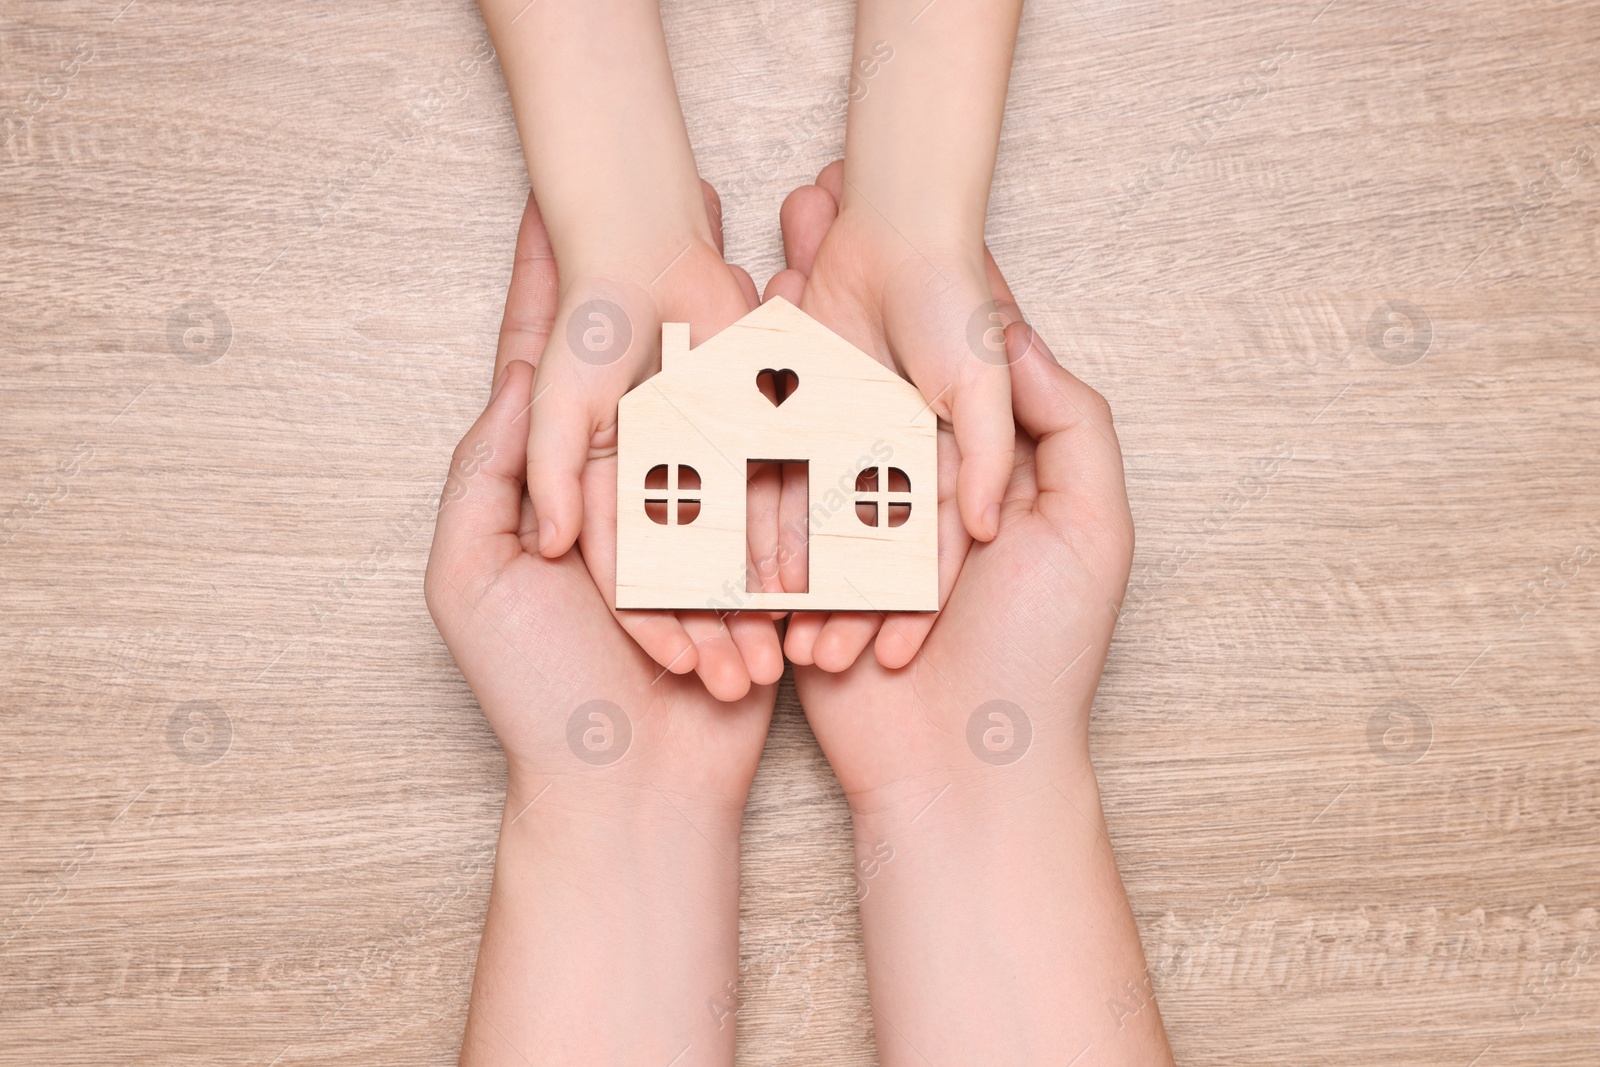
778, 526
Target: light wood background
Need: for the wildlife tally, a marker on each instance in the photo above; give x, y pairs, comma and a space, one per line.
1347, 736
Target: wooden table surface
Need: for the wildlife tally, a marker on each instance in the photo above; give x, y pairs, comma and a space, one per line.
1334, 264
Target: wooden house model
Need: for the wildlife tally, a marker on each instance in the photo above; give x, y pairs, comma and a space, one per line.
686, 439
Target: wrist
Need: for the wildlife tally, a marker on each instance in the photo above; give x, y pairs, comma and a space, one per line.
680, 279
966, 793
984, 834
909, 230
624, 247
593, 801
612, 933
1003, 906
984, 757
619, 826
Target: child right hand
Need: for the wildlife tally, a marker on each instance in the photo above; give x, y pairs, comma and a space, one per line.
591, 324
935, 311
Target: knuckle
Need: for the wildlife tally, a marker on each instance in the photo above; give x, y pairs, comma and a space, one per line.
460, 458
1099, 407
433, 586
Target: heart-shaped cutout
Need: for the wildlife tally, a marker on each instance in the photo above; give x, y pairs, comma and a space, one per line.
777, 385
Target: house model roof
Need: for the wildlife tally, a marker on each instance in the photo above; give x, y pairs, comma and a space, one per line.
777, 323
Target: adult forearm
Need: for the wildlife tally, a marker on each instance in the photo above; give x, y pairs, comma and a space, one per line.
602, 132
923, 133
997, 929
612, 935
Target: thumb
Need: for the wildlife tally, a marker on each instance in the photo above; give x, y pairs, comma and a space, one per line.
584, 371
947, 332
531, 296
1078, 458
563, 418
980, 414
483, 492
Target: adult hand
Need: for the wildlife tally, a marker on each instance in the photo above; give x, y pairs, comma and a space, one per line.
995, 923
535, 640
1029, 619
613, 923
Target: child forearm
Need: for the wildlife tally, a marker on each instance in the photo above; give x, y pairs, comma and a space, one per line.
923, 133
596, 108
636, 241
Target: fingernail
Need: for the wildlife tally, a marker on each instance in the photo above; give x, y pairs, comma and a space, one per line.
547, 533
991, 519
499, 384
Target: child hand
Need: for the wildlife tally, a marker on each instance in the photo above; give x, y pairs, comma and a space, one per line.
608, 306
935, 315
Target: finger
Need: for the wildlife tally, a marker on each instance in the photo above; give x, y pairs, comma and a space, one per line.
787, 283
721, 667
831, 178
764, 486
805, 217
902, 636
713, 211
747, 285
1077, 452
843, 638
659, 633
756, 638
999, 288
564, 413
663, 638
1007, 304
767, 548
531, 297
980, 412
801, 636
931, 335
483, 491
794, 538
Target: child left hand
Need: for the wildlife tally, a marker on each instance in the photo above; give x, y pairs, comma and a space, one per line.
571, 425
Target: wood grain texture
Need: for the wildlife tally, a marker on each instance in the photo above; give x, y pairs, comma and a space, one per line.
1335, 265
